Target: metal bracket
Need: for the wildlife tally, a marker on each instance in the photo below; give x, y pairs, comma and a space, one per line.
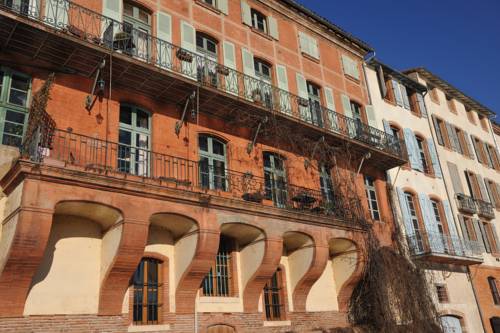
98, 84
178, 124
307, 162
252, 144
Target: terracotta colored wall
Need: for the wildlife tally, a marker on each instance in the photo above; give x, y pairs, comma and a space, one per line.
480, 276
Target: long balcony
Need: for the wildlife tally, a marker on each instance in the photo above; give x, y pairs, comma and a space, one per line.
76, 40
439, 248
466, 203
117, 161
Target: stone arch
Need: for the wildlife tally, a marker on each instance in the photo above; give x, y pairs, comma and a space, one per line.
221, 328
190, 246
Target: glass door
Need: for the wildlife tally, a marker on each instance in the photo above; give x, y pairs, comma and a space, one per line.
134, 141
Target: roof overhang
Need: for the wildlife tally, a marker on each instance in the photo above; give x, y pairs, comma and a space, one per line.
450, 90
404, 79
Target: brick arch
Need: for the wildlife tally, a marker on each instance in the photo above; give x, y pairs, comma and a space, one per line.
220, 328
457, 314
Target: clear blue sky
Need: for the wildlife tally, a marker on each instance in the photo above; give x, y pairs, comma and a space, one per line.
458, 40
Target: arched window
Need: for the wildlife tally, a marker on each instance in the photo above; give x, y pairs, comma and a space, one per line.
494, 290
218, 282
207, 66
134, 140
212, 163
275, 179
416, 238
274, 300
147, 292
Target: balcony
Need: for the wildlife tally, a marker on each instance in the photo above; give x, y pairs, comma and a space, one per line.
485, 209
89, 155
466, 204
439, 248
78, 39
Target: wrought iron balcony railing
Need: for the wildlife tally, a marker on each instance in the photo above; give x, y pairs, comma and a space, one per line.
82, 23
466, 203
428, 243
70, 150
485, 209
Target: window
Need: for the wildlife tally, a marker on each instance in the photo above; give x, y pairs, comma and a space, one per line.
484, 122
371, 195
451, 104
137, 24
275, 179
473, 185
469, 231
441, 132
15, 91
434, 94
423, 153
259, 21
442, 293
308, 45
470, 116
462, 148
490, 237
492, 187
438, 217
133, 137
326, 185
492, 156
212, 163
207, 65
494, 290
415, 220
147, 292
218, 281
263, 72
396, 132
274, 297
315, 103
480, 152
350, 67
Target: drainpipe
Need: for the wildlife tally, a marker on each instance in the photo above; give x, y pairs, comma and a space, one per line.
469, 275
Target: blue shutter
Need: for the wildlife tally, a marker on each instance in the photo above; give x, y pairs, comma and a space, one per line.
432, 232
479, 232
435, 162
412, 147
405, 212
469, 145
421, 105
450, 130
387, 127
406, 101
397, 93
455, 240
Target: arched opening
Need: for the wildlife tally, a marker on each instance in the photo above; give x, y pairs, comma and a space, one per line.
451, 324
221, 328
83, 241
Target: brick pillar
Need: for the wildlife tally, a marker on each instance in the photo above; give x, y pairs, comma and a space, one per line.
318, 264
30, 230
269, 264
204, 256
133, 240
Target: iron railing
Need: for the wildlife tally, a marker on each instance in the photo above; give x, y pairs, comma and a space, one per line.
113, 159
85, 24
466, 203
485, 209
421, 243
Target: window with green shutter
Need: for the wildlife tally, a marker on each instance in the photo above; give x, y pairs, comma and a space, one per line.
15, 89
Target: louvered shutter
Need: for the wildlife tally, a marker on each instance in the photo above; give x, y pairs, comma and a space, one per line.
250, 83
346, 105
482, 188
488, 156
404, 93
381, 81
405, 212
434, 158
463, 227
305, 113
188, 42
477, 150
246, 15
164, 34
430, 222
330, 104
489, 191
370, 115
112, 11
231, 79
314, 47
223, 6
304, 43
455, 178
450, 130
387, 127
470, 148
421, 105
284, 97
439, 134
412, 147
478, 229
457, 244
397, 93
495, 236
484, 236
273, 27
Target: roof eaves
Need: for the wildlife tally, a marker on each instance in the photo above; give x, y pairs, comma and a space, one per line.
403, 78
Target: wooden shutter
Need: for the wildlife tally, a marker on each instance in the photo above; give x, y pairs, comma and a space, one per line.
412, 147
495, 237
463, 227
273, 27
480, 234
223, 6
330, 104
469, 145
489, 191
304, 43
188, 42
477, 149
282, 77
450, 130
482, 188
404, 93
350, 67
370, 115
246, 15
439, 134
302, 92
231, 80
111, 9
484, 234
457, 245
455, 178
381, 81
434, 158
346, 105
489, 158
405, 212
249, 71
164, 33
387, 127
397, 93
313, 42
421, 105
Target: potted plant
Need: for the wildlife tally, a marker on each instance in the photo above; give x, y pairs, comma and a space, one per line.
303, 102
223, 70
184, 55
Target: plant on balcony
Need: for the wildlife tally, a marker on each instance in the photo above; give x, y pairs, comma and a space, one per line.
184, 55
303, 102
256, 96
222, 70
